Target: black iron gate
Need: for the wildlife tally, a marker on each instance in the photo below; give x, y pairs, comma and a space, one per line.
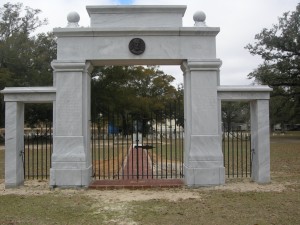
138, 146
37, 152
236, 145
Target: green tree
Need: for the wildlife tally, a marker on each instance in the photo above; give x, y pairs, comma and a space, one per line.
24, 58
137, 90
131, 88
12, 22
234, 113
279, 47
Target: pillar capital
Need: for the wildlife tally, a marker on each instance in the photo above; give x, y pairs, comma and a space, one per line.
71, 66
202, 64
184, 67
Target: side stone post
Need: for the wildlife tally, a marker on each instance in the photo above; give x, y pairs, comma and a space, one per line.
203, 158
14, 144
260, 141
71, 158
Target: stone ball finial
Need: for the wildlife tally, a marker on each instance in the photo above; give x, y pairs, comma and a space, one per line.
199, 18
73, 19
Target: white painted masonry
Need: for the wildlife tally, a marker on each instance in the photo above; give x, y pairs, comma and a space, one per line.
258, 96
14, 127
105, 42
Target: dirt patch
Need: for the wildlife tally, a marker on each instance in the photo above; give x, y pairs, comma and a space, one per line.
247, 186
35, 187
163, 206
144, 195
29, 188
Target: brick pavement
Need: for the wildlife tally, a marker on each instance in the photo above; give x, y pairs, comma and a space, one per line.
136, 173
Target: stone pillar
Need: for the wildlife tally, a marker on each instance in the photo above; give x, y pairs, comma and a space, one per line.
71, 158
260, 141
14, 144
203, 158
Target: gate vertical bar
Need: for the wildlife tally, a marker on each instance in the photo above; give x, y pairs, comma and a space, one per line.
232, 145
237, 153
132, 145
118, 146
141, 141
175, 143
37, 153
103, 148
247, 155
42, 156
127, 147
171, 140
113, 143
46, 150
156, 144
93, 146
251, 158
161, 148
137, 149
98, 124
242, 155
28, 156
224, 144
228, 151
151, 125
24, 158
108, 146
166, 141
32, 153
123, 132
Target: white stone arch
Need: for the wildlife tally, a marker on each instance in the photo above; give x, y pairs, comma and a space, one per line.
106, 42
167, 43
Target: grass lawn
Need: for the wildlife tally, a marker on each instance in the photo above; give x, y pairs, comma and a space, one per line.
240, 201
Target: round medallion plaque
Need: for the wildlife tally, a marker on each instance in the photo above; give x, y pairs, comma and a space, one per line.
137, 46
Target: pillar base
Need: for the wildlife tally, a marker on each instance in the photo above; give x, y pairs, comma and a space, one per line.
71, 178
14, 185
197, 177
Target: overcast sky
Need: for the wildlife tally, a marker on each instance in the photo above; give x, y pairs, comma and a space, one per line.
239, 21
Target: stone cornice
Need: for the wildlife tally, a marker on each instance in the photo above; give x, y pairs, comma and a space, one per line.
236, 88
128, 9
20, 90
243, 93
29, 94
136, 31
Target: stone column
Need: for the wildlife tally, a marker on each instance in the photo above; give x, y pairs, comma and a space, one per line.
14, 144
260, 141
203, 158
71, 158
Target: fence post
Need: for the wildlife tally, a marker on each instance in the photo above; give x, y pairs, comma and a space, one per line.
260, 141
14, 144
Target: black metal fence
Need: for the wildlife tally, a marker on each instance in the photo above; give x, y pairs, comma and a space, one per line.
237, 153
37, 152
135, 146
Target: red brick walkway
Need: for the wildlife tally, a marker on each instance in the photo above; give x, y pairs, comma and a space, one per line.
137, 165
136, 173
